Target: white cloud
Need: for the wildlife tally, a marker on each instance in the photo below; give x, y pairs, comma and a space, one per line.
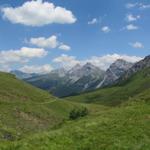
38, 13
138, 5
131, 27
10, 57
30, 52
43, 42
131, 5
50, 42
43, 69
105, 61
102, 62
65, 47
144, 6
138, 45
131, 17
66, 61
106, 29
93, 21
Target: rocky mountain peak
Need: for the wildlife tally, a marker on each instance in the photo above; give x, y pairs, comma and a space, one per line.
89, 67
120, 63
74, 69
87, 70
145, 63
114, 72
88, 64
147, 58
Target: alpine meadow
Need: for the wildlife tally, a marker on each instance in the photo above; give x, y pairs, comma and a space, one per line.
74, 75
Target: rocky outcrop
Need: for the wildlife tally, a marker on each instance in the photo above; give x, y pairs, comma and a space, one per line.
114, 72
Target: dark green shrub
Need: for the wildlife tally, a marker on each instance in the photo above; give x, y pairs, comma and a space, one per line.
77, 113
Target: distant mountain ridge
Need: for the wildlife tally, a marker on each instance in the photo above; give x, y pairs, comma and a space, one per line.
23, 75
61, 82
80, 78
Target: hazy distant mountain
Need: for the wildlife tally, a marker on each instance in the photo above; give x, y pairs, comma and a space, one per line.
114, 72
63, 82
80, 78
22, 75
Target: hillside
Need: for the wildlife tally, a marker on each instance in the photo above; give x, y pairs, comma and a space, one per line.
117, 128
32, 119
25, 109
115, 95
122, 127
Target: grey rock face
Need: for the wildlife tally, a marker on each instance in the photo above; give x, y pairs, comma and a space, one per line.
87, 70
114, 72
145, 63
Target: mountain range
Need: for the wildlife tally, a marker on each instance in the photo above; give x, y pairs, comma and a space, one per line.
80, 78
132, 82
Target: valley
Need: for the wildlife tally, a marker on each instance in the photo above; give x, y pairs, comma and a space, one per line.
74, 75
118, 116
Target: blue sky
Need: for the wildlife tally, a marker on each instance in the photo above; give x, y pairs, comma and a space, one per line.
74, 31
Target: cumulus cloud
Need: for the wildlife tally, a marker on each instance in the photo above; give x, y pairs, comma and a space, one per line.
22, 55
93, 21
131, 17
50, 42
131, 27
105, 61
38, 13
43, 69
66, 61
102, 62
65, 47
138, 45
106, 29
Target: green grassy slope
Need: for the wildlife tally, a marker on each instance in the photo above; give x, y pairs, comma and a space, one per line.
106, 128
117, 94
25, 109
12, 89
124, 127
